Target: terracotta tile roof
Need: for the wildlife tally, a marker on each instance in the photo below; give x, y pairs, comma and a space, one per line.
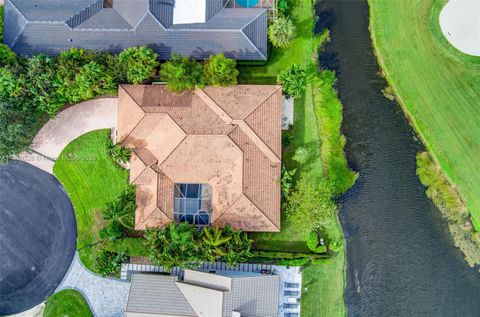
229, 138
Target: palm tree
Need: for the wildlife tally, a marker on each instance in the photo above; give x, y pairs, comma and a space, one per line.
117, 214
214, 240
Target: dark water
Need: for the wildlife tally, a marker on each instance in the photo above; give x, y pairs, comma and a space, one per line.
401, 260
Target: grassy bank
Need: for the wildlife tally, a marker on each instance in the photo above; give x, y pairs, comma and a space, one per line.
437, 86
67, 303
91, 179
318, 117
451, 206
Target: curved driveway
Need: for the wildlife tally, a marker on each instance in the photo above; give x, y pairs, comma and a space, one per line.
67, 126
37, 236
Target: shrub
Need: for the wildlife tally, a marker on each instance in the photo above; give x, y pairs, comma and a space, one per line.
220, 71
237, 248
293, 80
7, 56
174, 245
313, 243
282, 7
108, 262
287, 181
43, 85
138, 63
287, 138
11, 85
302, 155
281, 32
181, 73
311, 200
71, 62
18, 127
119, 153
93, 80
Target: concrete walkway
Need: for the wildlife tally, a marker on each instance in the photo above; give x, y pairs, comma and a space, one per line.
107, 297
67, 126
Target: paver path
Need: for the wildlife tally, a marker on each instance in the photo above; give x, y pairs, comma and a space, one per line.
67, 126
107, 297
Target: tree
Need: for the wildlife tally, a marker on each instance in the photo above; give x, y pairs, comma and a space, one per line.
237, 248
18, 124
182, 73
138, 63
282, 7
93, 80
120, 213
281, 32
310, 206
214, 241
220, 71
293, 80
174, 245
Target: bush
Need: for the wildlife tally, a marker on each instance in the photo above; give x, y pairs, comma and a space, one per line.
18, 127
119, 153
282, 7
7, 56
311, 200
293, 80
174, 245
185, 246
181, 73
220, 71
302, 155
287, 181
70, 63
139, 64
93, 80
43, 84
11, 85
108, 262
281, 32
313, 243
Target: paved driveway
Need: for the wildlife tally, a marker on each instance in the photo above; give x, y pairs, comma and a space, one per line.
37, 236
67, 126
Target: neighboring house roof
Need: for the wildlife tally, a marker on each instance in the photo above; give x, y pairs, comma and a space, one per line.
51, 26
163, 295
228, 138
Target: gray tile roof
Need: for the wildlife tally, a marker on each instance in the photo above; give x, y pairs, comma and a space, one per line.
158, 294
253, 296
50, 26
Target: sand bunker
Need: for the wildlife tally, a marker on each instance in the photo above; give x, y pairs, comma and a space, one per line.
460, 23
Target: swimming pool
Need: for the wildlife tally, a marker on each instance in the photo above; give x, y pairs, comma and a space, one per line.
247, 3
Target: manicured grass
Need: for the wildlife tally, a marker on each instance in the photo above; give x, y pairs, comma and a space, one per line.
299, 52
67, 303
91, 179
318, 117
437, 85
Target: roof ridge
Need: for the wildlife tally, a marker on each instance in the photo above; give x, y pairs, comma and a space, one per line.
213, 105
277, 87
226, 208
250, 201
248, 38
141, 109
149, 215
257, 140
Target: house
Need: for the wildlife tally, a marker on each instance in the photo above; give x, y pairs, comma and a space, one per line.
201, 294
211, 156
194, 28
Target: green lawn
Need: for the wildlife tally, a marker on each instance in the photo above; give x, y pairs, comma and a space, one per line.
437, 85
67, 303
318, 117
92, 180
